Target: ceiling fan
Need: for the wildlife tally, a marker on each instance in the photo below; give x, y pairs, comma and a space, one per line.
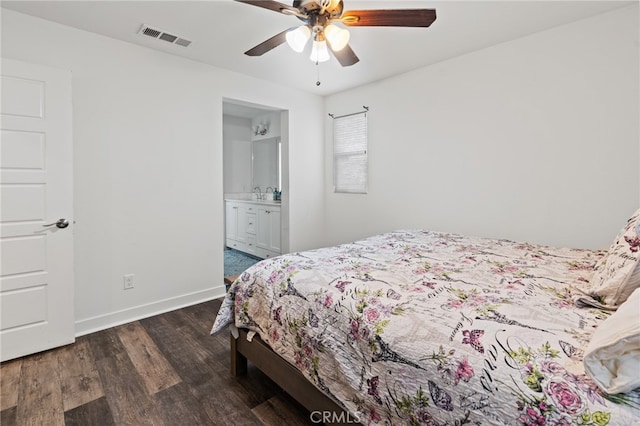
319, 16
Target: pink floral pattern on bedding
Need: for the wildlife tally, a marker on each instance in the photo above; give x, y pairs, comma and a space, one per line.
419, 327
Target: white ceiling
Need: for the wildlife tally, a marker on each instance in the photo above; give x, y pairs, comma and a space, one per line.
222, 30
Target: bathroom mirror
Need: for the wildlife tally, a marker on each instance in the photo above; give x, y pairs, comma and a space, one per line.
266, 163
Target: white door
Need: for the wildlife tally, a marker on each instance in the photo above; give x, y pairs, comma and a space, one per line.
231, 221
269, 229
36, 275
264, 233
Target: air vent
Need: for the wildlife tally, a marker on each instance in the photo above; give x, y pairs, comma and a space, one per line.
159, 34
151, 32
182, 42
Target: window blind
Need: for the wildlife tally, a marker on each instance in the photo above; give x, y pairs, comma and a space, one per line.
350, 165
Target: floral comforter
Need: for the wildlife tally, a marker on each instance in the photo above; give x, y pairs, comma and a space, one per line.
419, 327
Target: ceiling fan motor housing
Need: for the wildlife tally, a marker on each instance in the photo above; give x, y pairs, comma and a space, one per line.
332, 8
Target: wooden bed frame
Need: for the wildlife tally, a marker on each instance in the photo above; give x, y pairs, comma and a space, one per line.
287, 377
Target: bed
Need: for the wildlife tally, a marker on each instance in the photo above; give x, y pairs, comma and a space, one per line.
423, 327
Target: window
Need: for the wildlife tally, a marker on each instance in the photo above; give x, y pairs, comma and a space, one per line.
350, 163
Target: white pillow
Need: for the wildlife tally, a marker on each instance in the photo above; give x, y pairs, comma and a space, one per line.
612, 358
617, 274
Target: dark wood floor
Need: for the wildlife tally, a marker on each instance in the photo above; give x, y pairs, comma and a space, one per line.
164, 370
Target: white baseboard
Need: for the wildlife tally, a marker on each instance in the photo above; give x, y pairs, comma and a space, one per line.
112, 319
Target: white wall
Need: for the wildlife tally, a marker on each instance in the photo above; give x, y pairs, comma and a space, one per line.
236, 138
148, 167
536, 139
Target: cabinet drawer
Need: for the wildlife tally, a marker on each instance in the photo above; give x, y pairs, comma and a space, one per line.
251, 245
265, 254
237, 245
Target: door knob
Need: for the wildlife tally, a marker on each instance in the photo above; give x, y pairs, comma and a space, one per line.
61, 223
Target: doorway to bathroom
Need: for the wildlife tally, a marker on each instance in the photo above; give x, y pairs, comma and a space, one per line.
255, 184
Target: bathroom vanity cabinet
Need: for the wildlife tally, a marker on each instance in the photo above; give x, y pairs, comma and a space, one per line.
253, 227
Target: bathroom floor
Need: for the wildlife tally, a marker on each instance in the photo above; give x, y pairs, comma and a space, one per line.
235, 262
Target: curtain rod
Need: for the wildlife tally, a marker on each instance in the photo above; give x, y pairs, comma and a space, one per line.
366, 109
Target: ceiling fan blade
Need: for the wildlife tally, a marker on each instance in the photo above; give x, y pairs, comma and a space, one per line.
272, 5
389, 18
345, 56
268, 44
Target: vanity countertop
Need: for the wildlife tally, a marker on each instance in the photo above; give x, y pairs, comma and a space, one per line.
259, 202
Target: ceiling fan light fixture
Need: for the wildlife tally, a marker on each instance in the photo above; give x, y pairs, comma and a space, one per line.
318, 16
297, 39
319, 52
336, 36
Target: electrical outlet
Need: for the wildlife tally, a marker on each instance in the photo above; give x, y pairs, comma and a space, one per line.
128, 281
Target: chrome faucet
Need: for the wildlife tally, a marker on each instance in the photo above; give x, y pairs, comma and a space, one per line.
258, 192
268, 193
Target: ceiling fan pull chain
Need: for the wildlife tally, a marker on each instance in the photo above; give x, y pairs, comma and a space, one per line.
318, 83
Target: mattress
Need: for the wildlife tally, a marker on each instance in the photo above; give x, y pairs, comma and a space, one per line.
422, 327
